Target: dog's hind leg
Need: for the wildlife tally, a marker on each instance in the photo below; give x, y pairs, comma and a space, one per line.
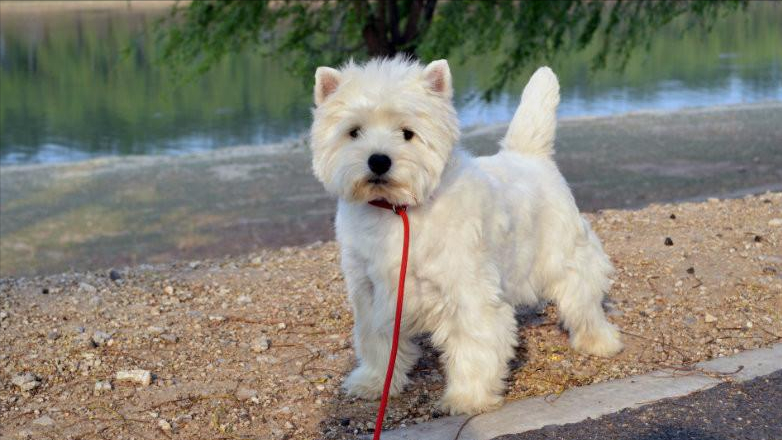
577, 289
477, 339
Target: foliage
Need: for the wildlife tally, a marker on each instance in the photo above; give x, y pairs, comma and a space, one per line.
304, 35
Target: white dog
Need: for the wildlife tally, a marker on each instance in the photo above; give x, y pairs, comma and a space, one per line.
487, 234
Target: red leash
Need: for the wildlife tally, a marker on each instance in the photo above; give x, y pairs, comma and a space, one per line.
401, 211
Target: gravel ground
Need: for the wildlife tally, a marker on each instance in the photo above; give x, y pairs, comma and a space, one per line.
257, 346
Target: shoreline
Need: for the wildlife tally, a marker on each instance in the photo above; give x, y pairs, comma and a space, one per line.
26, 7
117, 212
300, 140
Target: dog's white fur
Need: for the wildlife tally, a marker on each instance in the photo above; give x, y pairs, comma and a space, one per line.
487, 233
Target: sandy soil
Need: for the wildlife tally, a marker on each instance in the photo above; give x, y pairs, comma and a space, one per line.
257, 346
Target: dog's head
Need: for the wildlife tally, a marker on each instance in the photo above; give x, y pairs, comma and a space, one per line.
383, 130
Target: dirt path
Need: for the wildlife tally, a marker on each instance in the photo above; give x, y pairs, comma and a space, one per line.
257, 346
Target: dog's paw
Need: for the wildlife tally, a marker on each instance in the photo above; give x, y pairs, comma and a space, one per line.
367, 384
603, 341
459, 402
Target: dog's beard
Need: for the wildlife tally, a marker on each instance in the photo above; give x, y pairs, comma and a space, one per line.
369, 188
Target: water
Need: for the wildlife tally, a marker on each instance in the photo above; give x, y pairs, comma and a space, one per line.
69, 89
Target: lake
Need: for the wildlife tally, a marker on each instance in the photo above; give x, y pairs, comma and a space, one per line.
82, 83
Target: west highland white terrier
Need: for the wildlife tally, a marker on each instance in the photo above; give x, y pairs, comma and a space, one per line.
488, 234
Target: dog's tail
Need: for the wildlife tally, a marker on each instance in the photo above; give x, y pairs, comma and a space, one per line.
534, 125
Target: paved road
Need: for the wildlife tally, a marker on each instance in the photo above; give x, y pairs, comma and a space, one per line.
747, 411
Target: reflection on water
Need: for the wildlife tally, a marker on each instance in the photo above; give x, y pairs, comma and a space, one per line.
70, 90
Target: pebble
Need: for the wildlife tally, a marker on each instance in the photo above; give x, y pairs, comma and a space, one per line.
24, 434
775, 222
668, 241
44, 421
170, 338
260, 344
709, 318
87, 288
246, 394
244, 299
114, 275
155, 330
141, 377
164, 425
99, 338
101, 386
3, 315
168, 290
26, 381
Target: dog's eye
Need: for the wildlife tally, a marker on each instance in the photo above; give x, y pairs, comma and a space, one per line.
354, 132
408, 134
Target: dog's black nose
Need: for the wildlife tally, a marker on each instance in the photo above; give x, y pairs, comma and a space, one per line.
379, 163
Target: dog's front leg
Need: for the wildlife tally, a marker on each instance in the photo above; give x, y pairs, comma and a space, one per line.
477, 340
372, 334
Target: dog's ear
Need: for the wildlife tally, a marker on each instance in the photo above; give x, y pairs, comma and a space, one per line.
326, 83
438, 76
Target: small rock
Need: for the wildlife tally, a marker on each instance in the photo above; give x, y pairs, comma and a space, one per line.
713, 200
44, 421
101, 386
168, 290
690, 270
709, 318
141, 377
53, 335
668, 241
244, 299
24, 434
114, 275
260, 344
87, 288
99, 338
217, 318
282, 326
170, 338
256, 261
164, 425
289, 425
45, 291
775, 222
3, 315
96, 301
26, 381
155, 330
246, 394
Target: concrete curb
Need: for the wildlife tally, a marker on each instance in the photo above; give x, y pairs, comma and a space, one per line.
596, 400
